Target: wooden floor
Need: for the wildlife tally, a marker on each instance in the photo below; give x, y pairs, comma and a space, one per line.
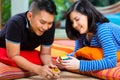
64, 76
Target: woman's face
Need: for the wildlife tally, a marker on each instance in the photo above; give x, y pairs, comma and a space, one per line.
40, 22
79, 22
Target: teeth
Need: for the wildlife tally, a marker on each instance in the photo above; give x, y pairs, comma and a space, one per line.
40, 30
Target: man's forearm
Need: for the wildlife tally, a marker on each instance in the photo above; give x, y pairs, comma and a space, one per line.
24, 63
46, 59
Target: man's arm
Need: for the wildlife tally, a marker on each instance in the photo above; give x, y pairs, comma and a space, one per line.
45, 55
13, 51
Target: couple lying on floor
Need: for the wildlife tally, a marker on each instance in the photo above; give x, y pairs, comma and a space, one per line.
84, 24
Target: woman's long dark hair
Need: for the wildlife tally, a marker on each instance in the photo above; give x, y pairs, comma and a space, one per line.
86, 8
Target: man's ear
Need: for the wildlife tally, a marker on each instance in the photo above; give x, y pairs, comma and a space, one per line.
29, 15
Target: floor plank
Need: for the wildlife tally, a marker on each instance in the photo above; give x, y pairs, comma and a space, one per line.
65, 75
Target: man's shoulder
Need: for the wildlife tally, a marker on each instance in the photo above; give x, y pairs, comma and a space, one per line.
19, 17
17, 21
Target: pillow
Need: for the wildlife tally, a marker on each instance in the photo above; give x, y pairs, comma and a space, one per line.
9, 69
107, 74
92, 53
32, 57
60, 50
11, 73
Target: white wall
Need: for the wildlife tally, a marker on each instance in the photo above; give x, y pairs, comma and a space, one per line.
18, 6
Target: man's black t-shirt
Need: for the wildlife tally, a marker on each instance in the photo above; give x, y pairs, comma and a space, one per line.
17, 30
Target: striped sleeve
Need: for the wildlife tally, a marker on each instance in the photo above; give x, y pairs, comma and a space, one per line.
79, 43
104, 37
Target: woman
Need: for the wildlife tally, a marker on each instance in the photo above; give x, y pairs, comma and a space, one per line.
88, 27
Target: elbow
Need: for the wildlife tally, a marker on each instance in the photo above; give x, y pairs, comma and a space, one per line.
12, 56
112, 62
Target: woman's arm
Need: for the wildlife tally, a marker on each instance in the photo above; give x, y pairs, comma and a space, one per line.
78, 45
104, 39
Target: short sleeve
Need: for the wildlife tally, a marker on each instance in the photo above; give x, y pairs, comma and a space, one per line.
13, 31
49, 36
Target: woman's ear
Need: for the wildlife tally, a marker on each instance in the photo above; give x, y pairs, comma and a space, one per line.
29, 15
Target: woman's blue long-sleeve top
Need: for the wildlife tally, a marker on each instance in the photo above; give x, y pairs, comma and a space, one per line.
107, 37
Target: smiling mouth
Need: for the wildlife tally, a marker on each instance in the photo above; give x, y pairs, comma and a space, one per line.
41, 30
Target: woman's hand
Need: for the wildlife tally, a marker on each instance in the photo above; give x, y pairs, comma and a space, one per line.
71, 64
59, 63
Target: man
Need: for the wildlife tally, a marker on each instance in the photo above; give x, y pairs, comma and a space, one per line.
26, 31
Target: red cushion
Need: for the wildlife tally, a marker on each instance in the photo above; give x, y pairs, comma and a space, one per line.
32, 56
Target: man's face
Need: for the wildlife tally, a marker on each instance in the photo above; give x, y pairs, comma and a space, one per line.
40, 22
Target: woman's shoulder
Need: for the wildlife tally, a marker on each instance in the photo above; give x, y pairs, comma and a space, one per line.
106, 25
102, 26
109, 24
